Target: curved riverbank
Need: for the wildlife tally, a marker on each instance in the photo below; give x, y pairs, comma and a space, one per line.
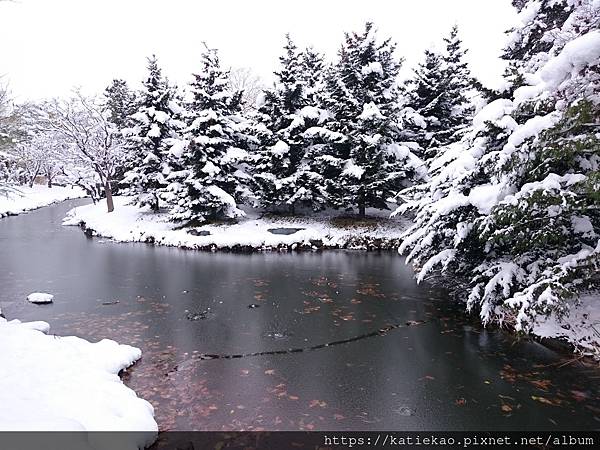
128, 223
21, 199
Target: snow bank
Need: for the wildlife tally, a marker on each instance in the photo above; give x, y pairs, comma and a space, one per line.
581, 328
128, 223
22, 198
52, 383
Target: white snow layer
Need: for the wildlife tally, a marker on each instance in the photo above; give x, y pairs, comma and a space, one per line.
129, 223
581, 327
22, 198
577, 54
352, 170
53, 383
40, 297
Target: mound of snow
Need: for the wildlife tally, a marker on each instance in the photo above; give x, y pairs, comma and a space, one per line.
51, 383
40, 297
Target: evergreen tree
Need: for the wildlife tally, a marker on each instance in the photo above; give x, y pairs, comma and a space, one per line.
459, 84
426, 99
362, 162
211, 188
146, 139
284, 173
514, 205
121, 103
439, 95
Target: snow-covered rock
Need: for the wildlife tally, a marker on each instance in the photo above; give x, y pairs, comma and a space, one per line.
40, 297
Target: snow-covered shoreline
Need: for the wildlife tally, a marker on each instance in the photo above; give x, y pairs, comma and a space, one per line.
53, 383
581, 329
128, 223
20, 199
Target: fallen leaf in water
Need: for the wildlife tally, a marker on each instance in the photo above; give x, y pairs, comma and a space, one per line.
338, 417
546, 401
293, 397
460, 402
245, 371
429, 377
319, 403
541, 384
579, 396
269, 372
506, 408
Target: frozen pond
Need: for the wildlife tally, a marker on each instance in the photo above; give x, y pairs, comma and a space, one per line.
287, 341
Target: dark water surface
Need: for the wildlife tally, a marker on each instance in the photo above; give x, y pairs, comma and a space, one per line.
437, 371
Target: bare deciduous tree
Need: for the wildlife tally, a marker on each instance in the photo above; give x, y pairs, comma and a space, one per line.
83, 125
244, 80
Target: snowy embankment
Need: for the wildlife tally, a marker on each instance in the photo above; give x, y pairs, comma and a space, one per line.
52, 383
128, 223
581, 328
20, 199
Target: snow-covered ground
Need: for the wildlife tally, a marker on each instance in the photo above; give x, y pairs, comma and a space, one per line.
23, 198
581, 328
52, 383
128, 223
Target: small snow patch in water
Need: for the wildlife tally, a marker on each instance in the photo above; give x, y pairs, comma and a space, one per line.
40, 297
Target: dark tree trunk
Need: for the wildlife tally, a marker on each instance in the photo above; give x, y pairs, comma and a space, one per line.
361, 203
155, 204
292, 208
109, 198
49, 183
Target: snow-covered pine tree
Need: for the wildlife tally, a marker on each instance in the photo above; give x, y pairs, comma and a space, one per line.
121, 103
152, 125
425, 97
460, 87
513, 209
283, 173
362, 161
211, 188
440, 93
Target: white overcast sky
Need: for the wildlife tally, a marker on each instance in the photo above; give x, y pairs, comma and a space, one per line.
49, 46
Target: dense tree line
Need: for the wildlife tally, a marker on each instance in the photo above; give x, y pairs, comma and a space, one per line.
344, 134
